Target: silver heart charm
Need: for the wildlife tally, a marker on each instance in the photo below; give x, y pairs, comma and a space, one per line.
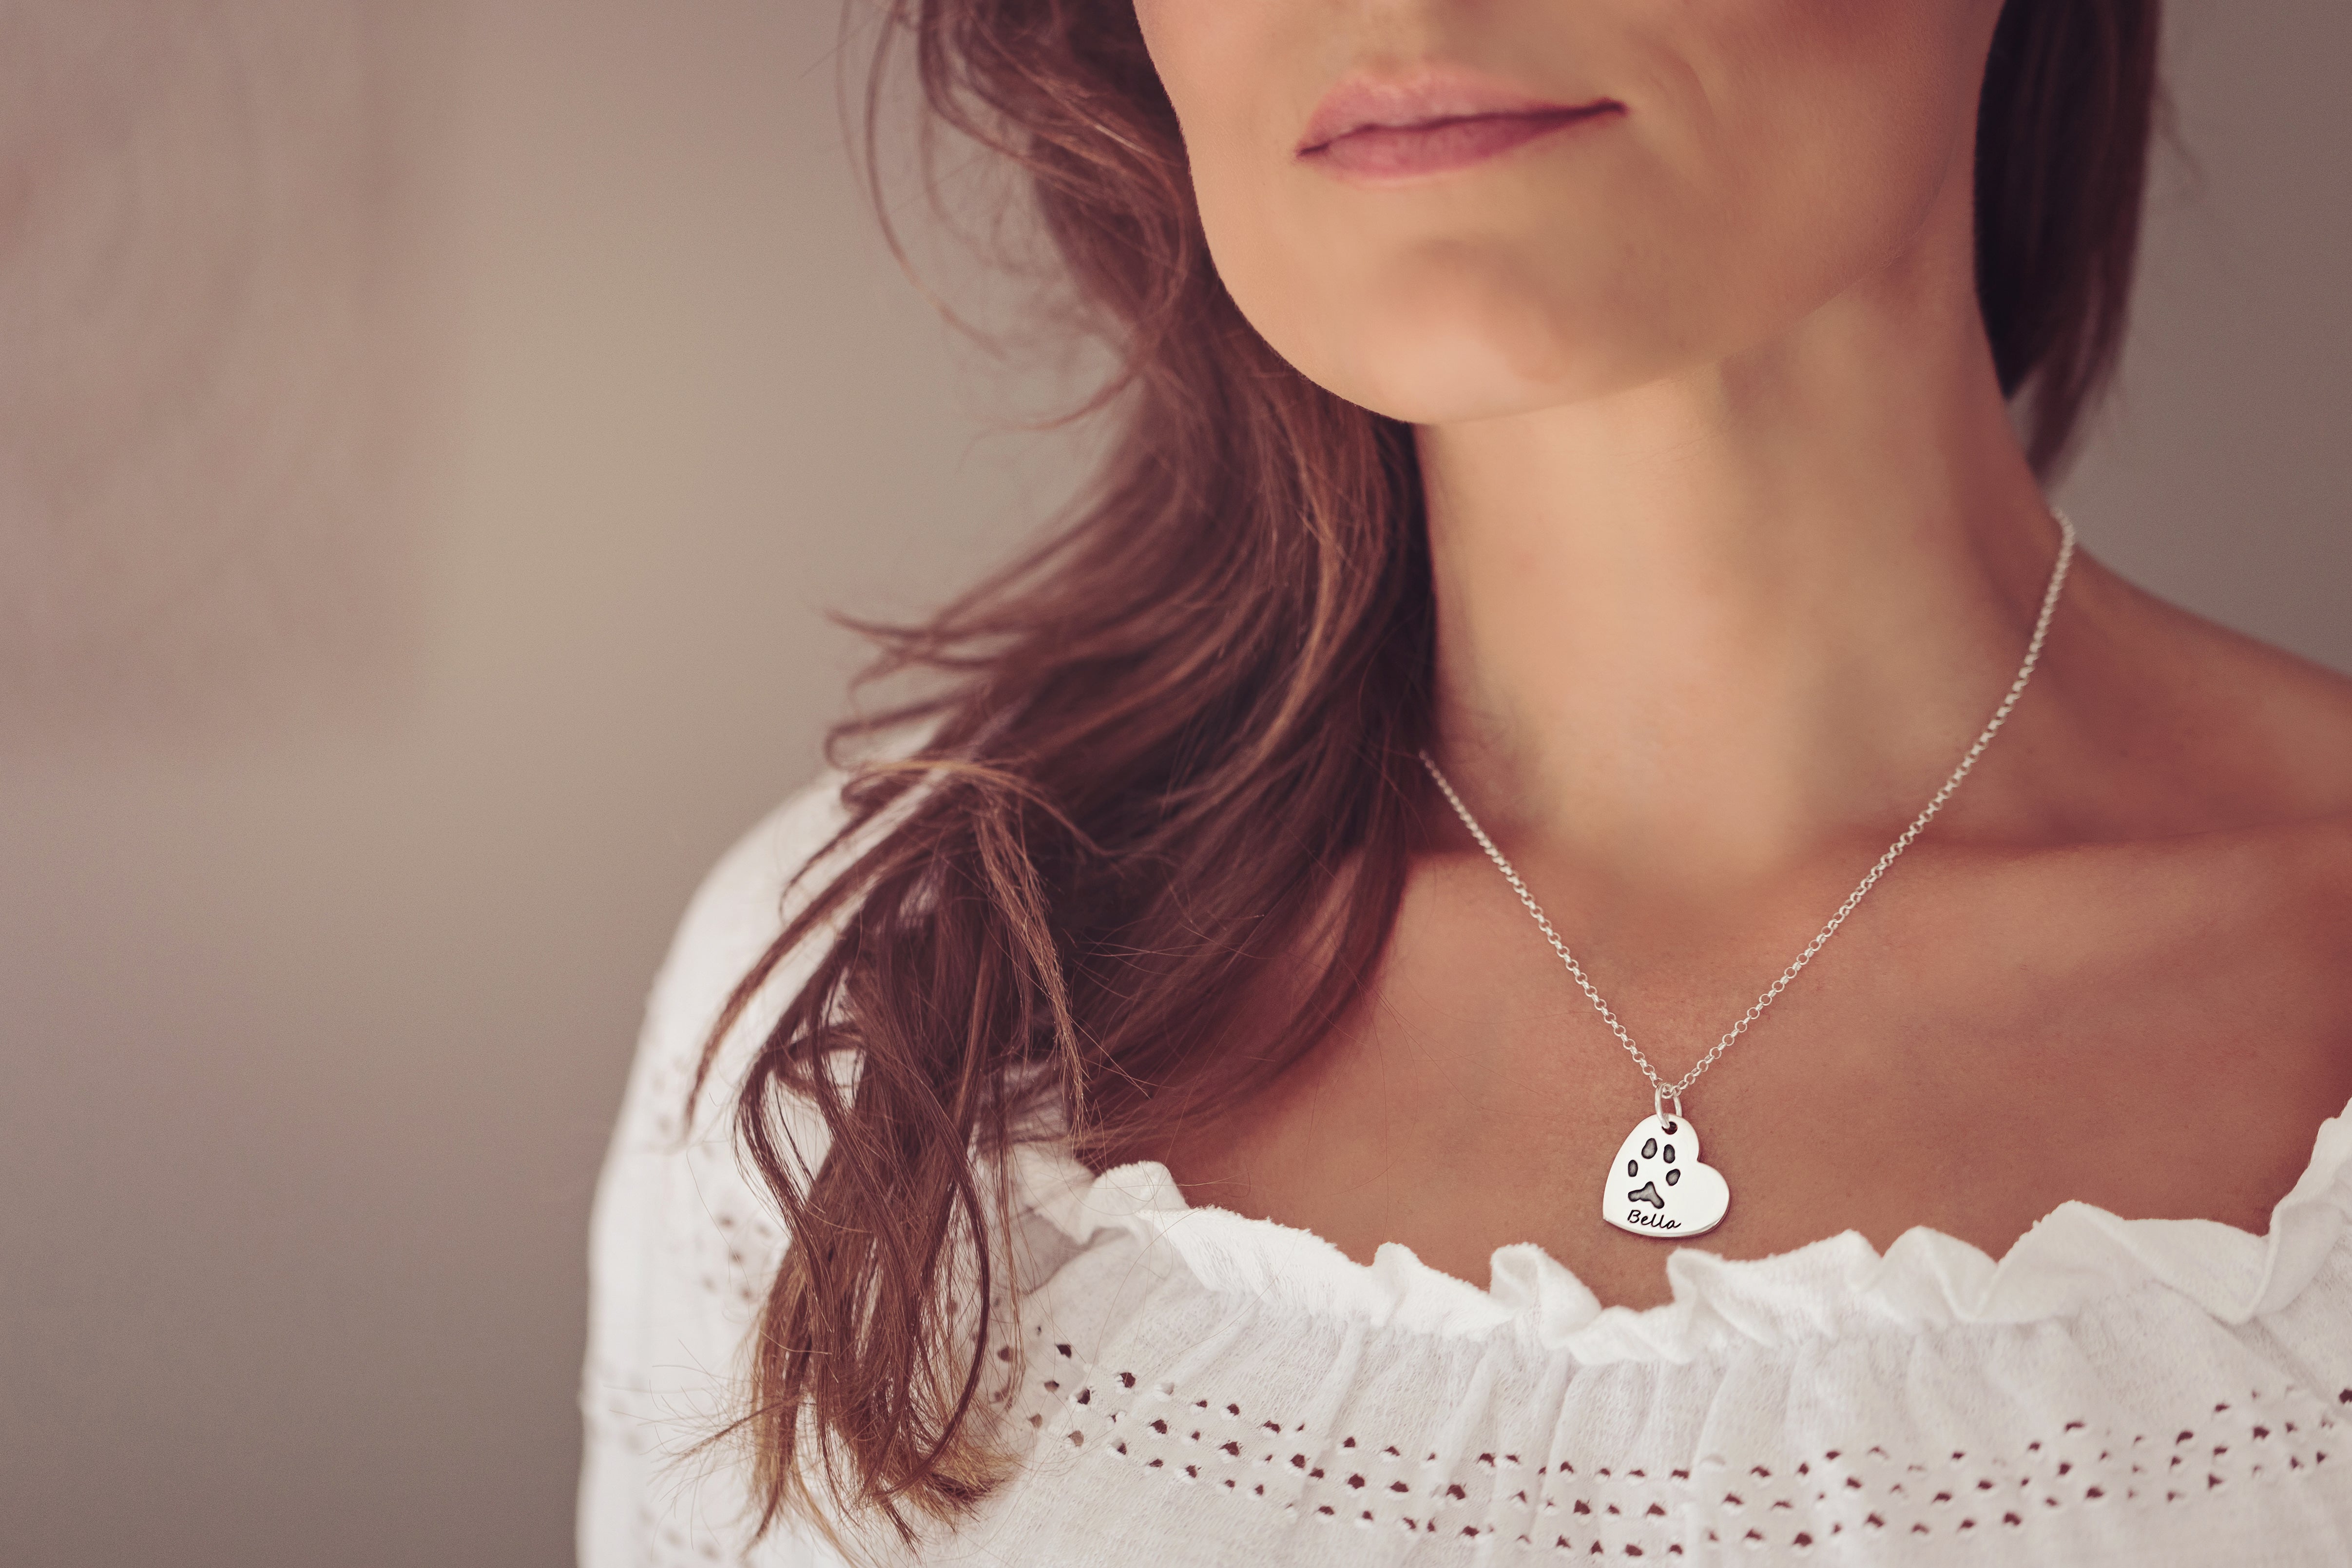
1658, 1188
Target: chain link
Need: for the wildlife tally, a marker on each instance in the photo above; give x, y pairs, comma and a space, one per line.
1674, 1091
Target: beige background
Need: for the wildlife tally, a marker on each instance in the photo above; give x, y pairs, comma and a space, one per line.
429, 431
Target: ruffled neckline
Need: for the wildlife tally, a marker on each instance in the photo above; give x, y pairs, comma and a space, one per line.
2075, 1255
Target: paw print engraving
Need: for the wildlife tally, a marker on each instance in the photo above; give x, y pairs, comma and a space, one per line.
1652, 1149
1660, 1187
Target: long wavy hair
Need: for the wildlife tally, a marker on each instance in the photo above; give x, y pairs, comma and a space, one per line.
1154, 745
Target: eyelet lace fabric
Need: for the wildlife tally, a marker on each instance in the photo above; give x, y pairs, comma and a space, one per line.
1202, 1388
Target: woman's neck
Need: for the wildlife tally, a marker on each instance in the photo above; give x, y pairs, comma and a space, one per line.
1696, 631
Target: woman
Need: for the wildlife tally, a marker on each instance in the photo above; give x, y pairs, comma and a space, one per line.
1226, 1087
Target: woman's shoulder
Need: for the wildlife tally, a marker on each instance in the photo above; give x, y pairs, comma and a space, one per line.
747, 898
739, 909
2221, 764
2257, 733
673, 1112
683, 1241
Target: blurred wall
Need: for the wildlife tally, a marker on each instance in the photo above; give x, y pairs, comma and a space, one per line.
429, 431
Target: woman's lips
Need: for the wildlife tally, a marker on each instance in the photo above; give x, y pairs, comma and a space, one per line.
1436, 146
1441, 119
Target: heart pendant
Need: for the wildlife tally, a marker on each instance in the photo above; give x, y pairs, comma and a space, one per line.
1658, 1188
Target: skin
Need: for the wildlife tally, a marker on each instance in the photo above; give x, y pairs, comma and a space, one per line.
1733, 551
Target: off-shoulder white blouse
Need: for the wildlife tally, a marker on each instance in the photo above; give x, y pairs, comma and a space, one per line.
1205, 1388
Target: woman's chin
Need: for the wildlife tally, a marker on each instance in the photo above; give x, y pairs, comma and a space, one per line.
1458, 382
1457, 355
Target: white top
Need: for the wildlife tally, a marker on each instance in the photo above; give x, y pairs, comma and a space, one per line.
1206, 1388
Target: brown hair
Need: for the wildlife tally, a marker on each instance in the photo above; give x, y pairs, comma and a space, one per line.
1153, 745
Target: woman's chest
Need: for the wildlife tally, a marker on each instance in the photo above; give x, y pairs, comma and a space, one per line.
1967, 1070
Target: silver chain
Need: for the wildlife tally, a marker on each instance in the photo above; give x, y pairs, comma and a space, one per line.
1660, 1088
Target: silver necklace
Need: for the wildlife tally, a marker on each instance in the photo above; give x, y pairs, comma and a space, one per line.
1657, 1186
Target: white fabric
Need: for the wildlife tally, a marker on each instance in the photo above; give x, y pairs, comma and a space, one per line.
1206, 1388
